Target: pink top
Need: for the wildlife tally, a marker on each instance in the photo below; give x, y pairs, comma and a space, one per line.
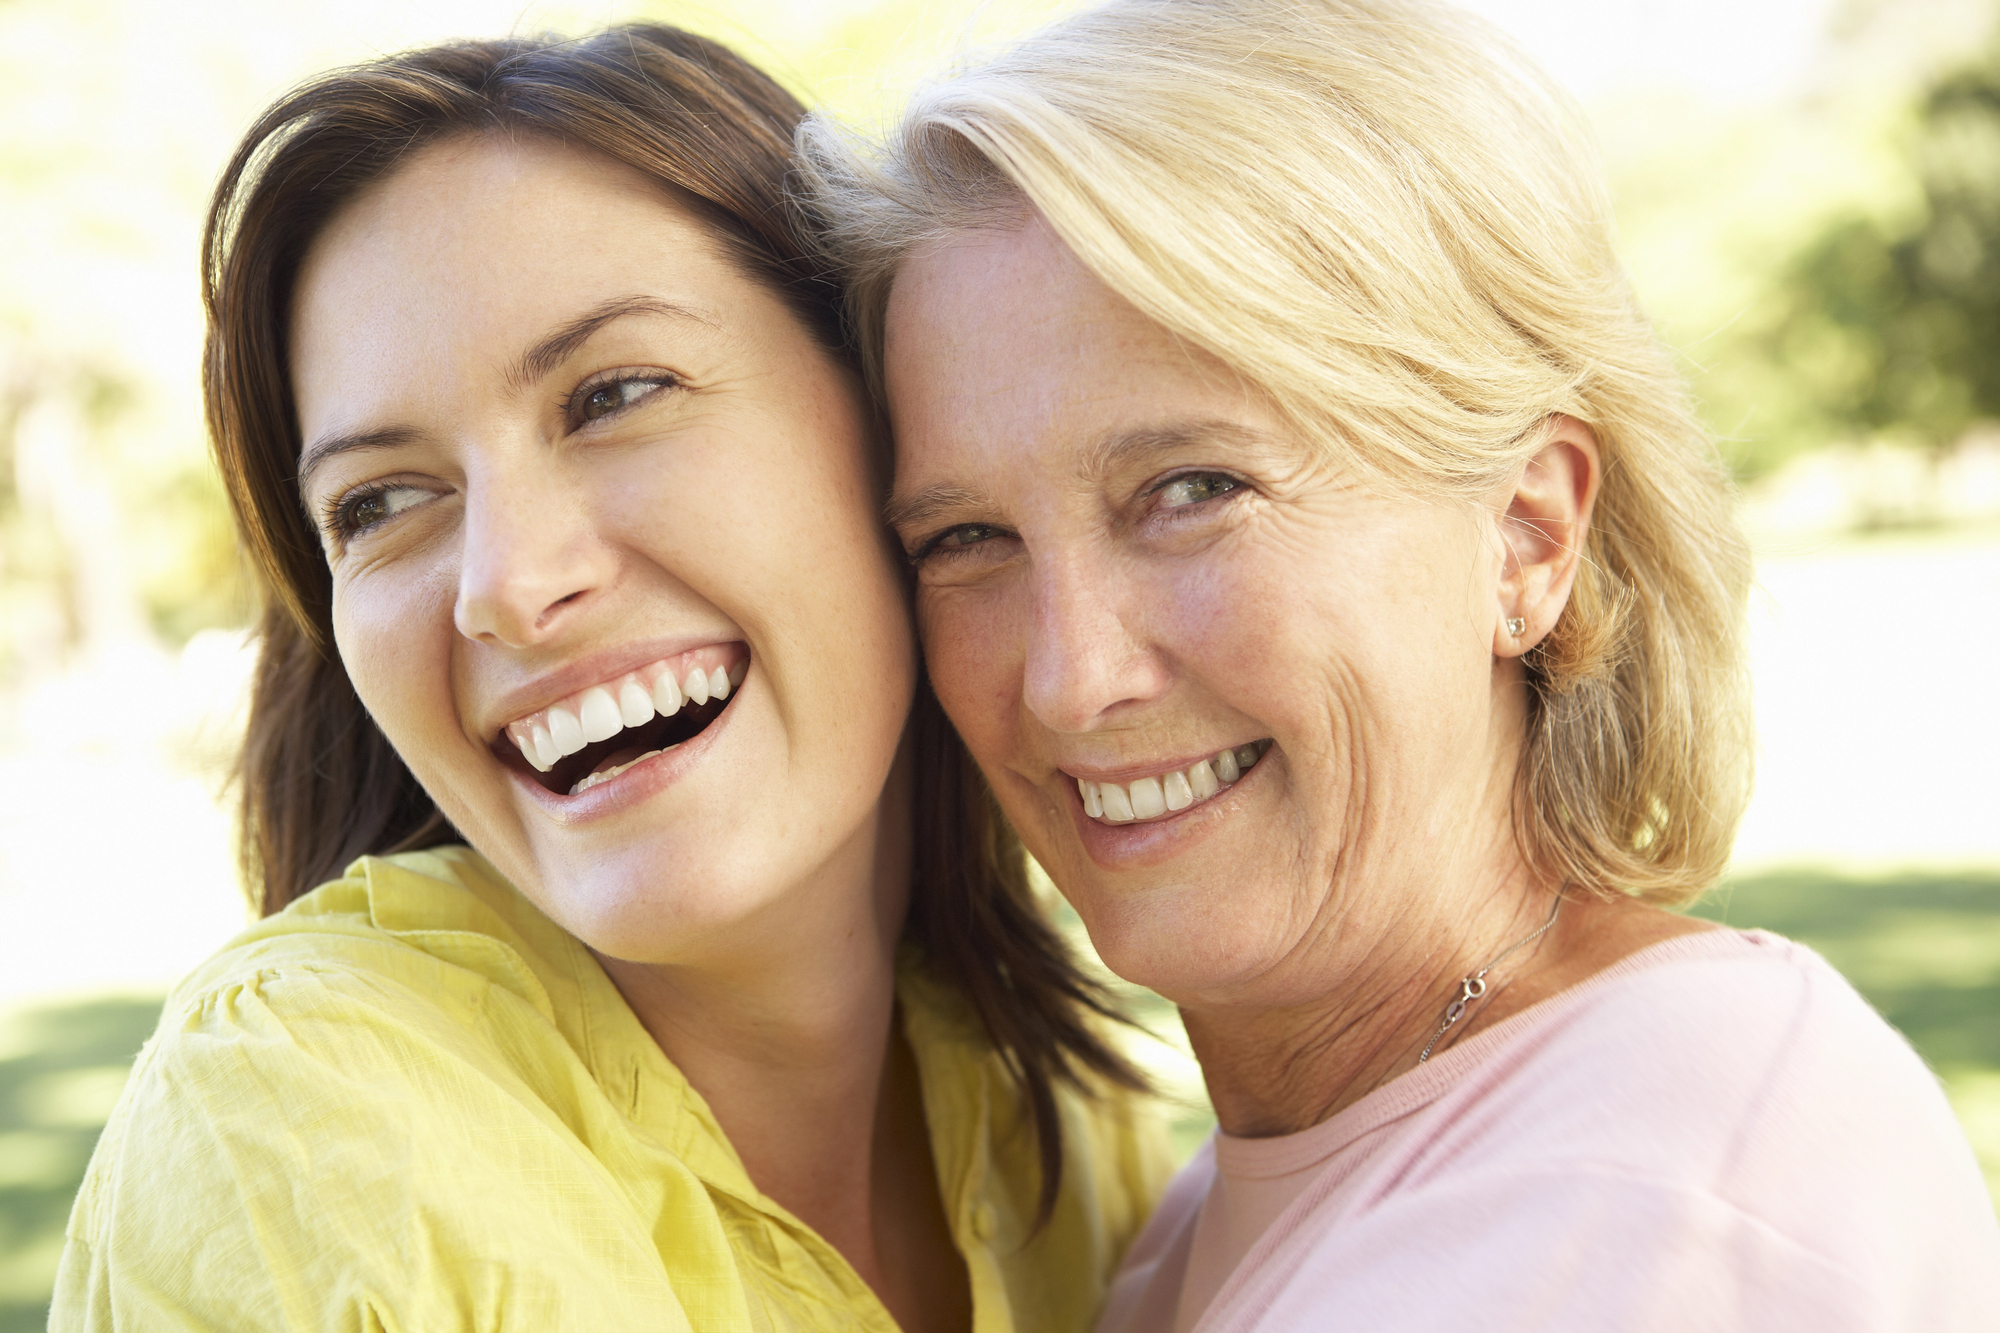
1715, 1133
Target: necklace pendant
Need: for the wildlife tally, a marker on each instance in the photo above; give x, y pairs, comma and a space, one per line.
1474, 987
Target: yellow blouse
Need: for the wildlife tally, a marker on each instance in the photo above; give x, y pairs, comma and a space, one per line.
412, 1102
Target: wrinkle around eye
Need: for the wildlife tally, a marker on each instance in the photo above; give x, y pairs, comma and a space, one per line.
1194, 488
940, 559
365, 511
958, 539
650, 383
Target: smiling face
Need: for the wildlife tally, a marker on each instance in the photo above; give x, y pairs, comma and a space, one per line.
599, 513
1241, 701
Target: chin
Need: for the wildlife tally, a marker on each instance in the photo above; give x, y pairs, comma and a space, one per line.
651, 904
1170, 939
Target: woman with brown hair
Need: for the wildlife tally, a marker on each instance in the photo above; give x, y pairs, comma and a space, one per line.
736, 1011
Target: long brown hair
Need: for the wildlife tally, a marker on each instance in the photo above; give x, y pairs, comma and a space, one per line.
321, 784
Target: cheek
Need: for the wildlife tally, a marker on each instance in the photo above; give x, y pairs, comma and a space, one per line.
387, 631
1249, 627
866, 635
972, 650
778, 528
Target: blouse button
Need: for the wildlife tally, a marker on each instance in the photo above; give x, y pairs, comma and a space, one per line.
985, 1221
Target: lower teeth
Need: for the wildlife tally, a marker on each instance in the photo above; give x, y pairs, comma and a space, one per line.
592, 780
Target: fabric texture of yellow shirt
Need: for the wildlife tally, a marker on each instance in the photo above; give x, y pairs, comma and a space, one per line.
411, 1102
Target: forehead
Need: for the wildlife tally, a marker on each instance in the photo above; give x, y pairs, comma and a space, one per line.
1019, 285
477, 237
1002, 337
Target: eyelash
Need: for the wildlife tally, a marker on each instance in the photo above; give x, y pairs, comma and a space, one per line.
337, 514
570, 402
935, 544
1230, 485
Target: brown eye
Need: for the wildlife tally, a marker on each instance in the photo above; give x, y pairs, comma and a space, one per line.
613, 396
368, 511
359, 511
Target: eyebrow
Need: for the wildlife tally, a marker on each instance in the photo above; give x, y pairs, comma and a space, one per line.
320, 450
1134, 446
547, 354
929, 503
1108, 455
535, 363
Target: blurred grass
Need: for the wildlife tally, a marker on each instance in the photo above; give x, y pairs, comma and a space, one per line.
1924, 947
61, 1070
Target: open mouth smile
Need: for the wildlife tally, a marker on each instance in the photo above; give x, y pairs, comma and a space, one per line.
1169, 793
599, 732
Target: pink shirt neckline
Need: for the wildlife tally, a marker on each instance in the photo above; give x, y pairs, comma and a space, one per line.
1716, 1131
1265, 1177
1285, 1154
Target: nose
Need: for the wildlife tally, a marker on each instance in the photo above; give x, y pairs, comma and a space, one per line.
1087, 653
531, 560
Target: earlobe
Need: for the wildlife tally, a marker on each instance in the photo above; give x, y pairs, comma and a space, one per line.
1543, 529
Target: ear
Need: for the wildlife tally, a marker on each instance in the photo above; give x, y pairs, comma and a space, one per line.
1542, 531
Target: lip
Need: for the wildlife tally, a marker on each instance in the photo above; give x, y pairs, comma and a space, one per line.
1133, 772
635, 784
1156, 841
591, 669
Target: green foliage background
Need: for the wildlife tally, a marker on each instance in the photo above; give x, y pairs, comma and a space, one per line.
1887, 324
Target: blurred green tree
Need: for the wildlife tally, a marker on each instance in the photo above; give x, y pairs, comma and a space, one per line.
1890, 326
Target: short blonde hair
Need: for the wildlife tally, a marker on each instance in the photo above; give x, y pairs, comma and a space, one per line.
1384, 216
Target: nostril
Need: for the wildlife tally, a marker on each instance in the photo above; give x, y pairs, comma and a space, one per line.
549, 612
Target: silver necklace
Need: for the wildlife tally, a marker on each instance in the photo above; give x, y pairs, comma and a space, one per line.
1473, 987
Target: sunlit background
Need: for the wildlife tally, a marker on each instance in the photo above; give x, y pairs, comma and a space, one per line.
1809, 192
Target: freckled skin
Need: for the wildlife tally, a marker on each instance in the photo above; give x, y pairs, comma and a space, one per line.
1218, 580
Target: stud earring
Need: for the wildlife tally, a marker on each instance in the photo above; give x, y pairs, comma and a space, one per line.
1517, 625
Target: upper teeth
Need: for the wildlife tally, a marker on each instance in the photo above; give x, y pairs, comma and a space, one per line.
1149, 798
632, 700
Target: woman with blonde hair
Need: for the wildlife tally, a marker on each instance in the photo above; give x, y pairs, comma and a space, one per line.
1319, 555
634, 957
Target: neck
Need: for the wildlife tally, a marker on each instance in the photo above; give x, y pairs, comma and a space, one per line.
787, 1032
1275, 1070
784, 1026
1280, 1068
1420, 898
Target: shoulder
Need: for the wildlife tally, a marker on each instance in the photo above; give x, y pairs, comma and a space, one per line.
401, 964
1118, 1147
1737, 1064
361, 1099
349, 1001
1717, 1129
420, 975
412, 914
1728, 1048
1105, 1127
1146, 1291
1115, 1139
